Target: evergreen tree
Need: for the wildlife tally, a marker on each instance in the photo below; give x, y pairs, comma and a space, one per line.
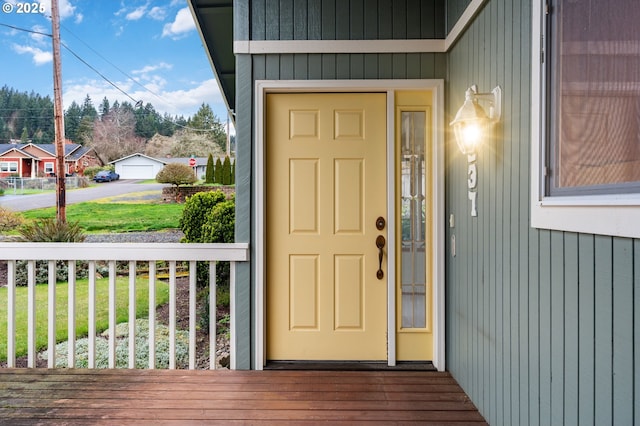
104, 107
209, 173
217, 176
88, 110
206, 121
147, 121
226, 171
72, 119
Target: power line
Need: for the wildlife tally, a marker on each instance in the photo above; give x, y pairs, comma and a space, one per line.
133, 79
77, 57
136, 102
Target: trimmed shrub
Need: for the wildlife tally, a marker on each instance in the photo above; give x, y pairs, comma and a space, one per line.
176, 174
208, 217
220, 223
194, 215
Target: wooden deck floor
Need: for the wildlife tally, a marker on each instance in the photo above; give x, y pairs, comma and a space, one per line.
162, 397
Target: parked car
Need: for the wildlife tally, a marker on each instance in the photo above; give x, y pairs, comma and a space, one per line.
106, 176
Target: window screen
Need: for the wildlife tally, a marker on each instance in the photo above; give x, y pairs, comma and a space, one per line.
593, 97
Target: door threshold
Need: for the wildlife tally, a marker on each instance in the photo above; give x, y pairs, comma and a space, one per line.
350, 366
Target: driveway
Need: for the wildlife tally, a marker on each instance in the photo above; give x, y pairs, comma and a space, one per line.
20, 203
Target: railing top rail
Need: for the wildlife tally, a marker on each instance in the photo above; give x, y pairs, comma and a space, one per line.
234, 252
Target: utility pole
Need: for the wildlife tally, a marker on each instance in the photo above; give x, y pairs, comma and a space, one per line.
61, 215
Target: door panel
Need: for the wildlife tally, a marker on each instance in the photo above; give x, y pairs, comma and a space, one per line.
326, 185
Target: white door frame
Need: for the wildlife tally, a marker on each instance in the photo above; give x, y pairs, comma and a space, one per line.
436, 86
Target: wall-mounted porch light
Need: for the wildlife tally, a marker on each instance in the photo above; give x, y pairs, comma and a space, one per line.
471, 122
470, 127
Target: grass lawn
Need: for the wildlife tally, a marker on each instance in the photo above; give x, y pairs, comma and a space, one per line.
82, 298
97, 217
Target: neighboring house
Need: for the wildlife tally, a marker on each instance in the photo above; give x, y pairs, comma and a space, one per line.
200, 167
373, 237
37, 160
140, 166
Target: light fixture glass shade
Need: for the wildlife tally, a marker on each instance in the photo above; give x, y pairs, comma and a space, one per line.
469, 124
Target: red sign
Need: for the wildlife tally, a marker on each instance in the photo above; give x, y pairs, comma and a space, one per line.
192, 162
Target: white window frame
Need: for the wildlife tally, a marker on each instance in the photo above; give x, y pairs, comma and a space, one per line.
609, 214
49, 167
10, 166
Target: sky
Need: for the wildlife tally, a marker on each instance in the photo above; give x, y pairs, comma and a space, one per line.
149, 49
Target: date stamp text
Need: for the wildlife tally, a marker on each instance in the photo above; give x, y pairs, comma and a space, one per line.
23, 7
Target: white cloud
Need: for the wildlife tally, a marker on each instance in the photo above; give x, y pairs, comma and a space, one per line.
65, 9
136, 14
38, 36
39, 56
158, 13
151, 68
180, 26
185, 102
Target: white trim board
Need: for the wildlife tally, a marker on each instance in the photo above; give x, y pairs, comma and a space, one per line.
264, 47
263, 87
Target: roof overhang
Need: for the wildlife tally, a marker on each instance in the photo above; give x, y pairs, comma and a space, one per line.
214, 21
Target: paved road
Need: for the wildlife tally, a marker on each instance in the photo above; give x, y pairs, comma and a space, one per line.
102, 190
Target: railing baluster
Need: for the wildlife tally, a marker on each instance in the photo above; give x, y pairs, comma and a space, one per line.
112, 314
92, 315
132, 314
192, 314
51, 304
11, 313
213, 315
31, 313
172, 315
71, 318
152, 314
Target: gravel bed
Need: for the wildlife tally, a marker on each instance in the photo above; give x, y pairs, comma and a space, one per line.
171, 236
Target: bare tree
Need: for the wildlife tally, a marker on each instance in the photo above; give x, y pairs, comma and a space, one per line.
114, 135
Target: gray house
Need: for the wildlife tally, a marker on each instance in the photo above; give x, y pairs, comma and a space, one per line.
140, 166
380, 232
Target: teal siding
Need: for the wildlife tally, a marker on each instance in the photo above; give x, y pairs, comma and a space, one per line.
349, 20
542, 326
304, 66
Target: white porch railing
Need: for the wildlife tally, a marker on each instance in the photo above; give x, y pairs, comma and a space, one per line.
112, 253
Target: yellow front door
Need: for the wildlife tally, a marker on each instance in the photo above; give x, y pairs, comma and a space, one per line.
326, 189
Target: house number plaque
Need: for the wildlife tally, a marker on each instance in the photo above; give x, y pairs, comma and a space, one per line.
472, 182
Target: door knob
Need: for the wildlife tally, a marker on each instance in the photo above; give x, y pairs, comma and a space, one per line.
380, 243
